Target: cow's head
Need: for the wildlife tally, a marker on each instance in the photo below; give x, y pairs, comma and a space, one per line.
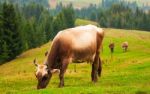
42, 74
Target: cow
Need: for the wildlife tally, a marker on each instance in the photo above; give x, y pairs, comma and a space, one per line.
111, 47
78, 44
125, 46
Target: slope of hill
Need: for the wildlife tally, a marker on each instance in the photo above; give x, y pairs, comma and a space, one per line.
125, 73
84, 22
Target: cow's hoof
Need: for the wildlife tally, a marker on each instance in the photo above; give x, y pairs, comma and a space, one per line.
61, 85
95, 80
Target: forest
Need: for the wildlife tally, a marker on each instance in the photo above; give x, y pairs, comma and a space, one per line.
29, 26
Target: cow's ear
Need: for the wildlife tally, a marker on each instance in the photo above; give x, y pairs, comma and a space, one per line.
46, 53
35, 62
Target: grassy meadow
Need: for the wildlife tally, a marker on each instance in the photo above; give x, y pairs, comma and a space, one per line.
123, 73
79, 22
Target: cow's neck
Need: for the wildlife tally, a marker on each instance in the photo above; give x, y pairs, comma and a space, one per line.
53, 54
50, 60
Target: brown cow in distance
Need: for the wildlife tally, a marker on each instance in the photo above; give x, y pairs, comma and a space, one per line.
76, 45
111, 47
125, 46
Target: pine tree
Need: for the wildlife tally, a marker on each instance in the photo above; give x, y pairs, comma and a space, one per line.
40, 33
10, 30
69, 16
3, 46
49, 28
29, 32
64, 19
58, 23
22, 23
46, 23
4, 52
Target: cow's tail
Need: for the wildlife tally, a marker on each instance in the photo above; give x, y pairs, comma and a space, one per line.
99, 67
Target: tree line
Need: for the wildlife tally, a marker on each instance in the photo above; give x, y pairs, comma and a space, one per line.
29, 26
117, 16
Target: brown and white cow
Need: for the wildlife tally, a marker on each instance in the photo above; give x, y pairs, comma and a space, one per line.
125, 46
77, 44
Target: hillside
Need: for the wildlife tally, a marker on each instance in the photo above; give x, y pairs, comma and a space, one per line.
125, 73
84, 22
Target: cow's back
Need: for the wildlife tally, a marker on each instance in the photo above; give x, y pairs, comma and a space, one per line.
79, 43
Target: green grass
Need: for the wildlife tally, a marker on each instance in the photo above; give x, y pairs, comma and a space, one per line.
84, 22
124, 73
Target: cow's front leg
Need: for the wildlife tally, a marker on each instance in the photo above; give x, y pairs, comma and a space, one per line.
63, 68
95, 66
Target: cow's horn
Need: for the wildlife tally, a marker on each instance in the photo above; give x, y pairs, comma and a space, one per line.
35, 63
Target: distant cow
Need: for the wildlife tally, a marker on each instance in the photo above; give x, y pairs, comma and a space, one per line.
77, 44
125, 46
111, 47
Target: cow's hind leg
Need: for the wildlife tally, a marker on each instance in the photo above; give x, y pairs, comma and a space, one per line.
95, 68
99, 67
63, 68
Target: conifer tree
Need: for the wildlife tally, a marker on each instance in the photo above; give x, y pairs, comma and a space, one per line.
3, 52
59, 23
11, 34
69, 16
